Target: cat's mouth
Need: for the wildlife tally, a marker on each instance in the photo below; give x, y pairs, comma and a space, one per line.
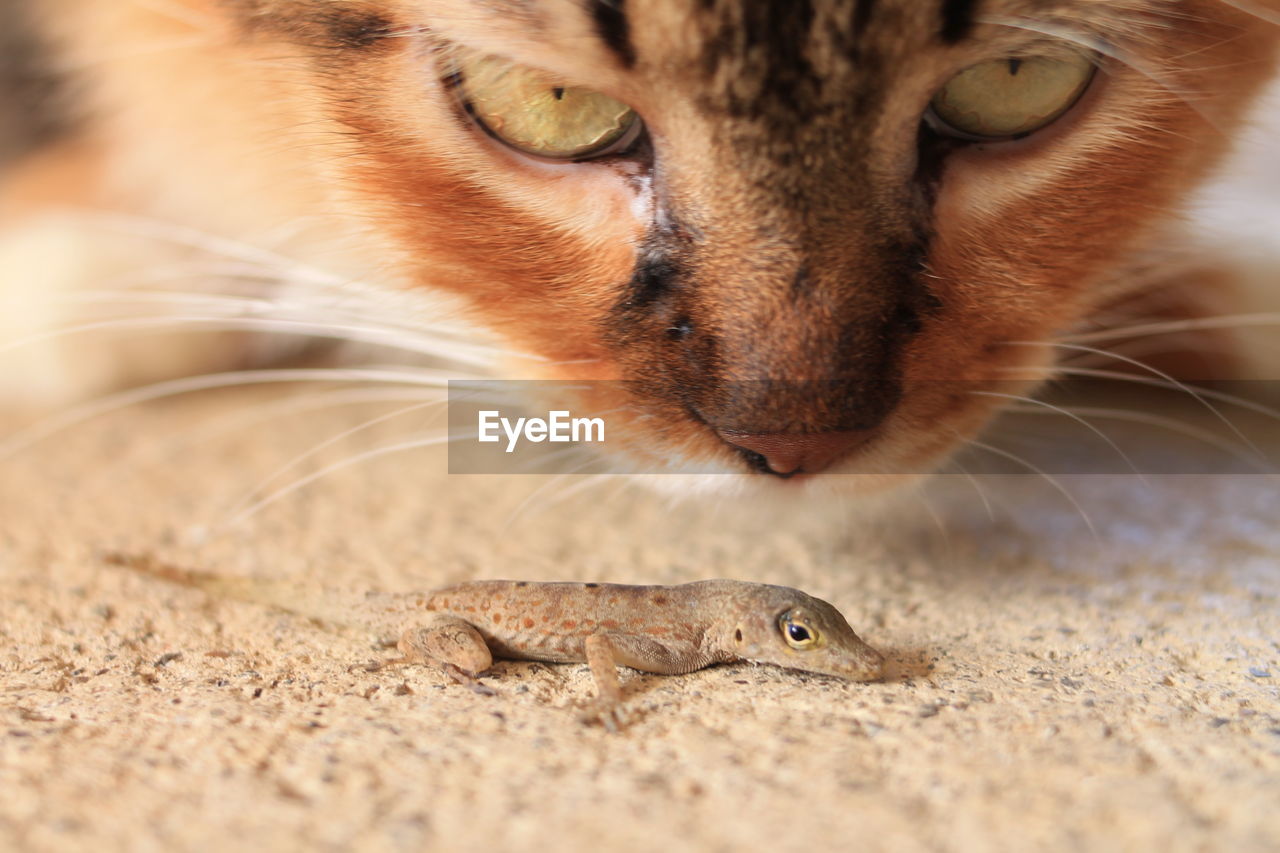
796, 454
784, 438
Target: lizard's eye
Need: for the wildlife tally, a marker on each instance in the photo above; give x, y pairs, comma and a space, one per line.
532, 112
798, 633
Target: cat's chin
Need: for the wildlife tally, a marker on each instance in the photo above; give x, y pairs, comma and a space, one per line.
749, 505
866, 491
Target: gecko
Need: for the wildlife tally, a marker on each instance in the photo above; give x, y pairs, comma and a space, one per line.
668, 630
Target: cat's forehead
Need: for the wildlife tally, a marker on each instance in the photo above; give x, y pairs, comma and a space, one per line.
790, 35
780, 56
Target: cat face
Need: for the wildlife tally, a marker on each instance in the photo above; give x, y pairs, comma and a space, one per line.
799, 233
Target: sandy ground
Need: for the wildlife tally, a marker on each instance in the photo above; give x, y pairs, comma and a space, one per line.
1048, 689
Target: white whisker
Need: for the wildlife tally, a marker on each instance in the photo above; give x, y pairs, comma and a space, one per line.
266, 264
161, 450
1051, 480
1169, 424
164, 298
529, 500
1065, 412
935, 517
1207, 393
1155, 347
1197, 394
193, 238
447, 342
1256, 9
977, 487
285, 491
259, 487
1226, 321
79, 414
332, 330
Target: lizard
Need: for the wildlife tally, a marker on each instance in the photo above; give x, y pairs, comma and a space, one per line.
668, 630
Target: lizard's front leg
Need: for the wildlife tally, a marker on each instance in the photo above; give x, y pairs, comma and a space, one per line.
452, 642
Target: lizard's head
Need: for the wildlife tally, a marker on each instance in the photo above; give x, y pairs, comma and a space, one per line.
799, 631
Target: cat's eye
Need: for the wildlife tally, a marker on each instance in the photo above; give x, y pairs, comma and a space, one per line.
798, 633
1010, 98
533, 113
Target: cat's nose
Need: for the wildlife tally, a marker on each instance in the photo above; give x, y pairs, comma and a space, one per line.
798, 453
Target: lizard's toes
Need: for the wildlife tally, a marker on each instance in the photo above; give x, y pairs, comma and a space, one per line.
461, 675
612, 716
371, 666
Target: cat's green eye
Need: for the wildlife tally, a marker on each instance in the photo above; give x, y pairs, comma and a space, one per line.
531, 112
1007, 98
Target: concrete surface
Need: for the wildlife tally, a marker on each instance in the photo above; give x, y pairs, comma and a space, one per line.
1049, 689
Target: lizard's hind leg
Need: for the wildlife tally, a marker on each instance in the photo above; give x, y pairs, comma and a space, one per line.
603, 662
605, 653
452, 642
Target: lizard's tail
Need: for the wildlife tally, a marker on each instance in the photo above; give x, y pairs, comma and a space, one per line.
279, 595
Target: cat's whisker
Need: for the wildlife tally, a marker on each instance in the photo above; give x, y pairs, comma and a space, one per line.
1154, 347
444, 340
284, 269
223, 305
265, 295
1199, 395
313, 329
1226, 321
210, 243
977, 487
179, 235
1207, 393
161, 450
1256, 9
75, 415
1040, 472
163, 298
1069, 414
586, 483
251, 280
1167, 423
375, 453
260, 487
530, 501
935, 517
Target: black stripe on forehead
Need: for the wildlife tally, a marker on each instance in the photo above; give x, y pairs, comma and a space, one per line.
957, 19
788, 59
614, 29
349, 26
862, 14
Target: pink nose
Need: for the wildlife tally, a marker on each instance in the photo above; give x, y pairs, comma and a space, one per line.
798, 453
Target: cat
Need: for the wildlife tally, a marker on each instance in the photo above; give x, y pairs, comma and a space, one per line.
789, 238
